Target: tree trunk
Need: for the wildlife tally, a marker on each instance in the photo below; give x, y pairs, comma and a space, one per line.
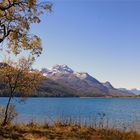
6, 112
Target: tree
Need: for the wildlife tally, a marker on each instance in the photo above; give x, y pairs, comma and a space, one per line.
17, 77
16, 17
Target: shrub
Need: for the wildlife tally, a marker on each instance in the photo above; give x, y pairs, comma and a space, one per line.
11, 113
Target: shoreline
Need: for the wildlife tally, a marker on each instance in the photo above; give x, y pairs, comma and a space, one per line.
71, 97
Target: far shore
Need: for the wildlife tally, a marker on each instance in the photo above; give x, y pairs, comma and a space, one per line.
73, 97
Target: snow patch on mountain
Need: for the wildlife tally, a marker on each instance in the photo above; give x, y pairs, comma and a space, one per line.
57, 69
81, 75
61, 68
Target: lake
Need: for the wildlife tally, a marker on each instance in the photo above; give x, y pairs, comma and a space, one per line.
116, 111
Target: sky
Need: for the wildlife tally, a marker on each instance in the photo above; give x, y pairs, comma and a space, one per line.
99, 37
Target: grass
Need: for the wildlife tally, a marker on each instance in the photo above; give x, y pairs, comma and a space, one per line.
62, 131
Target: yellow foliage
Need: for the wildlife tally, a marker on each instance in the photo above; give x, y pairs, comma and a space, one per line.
19, 78
16, 17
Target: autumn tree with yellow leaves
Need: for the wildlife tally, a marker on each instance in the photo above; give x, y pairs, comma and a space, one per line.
18, 77
16, 17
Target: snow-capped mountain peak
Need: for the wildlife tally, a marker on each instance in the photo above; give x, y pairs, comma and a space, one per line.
61, 68
57, 69
80, 82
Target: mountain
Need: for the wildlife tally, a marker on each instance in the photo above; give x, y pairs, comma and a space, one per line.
81, 82
62, 81
108, 85
69, 82
117, 92
125, 90
135, 91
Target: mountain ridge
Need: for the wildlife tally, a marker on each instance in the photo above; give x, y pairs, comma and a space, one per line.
81, 82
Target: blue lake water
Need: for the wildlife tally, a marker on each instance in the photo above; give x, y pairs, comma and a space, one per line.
117, 110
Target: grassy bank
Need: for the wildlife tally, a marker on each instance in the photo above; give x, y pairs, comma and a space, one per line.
61, 131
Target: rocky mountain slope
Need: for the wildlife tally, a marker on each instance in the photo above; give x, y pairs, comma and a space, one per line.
134, 91
63, 81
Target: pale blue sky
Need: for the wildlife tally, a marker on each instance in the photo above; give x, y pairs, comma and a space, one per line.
99, 37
